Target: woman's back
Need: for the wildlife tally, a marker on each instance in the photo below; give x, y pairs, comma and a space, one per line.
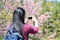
19, 26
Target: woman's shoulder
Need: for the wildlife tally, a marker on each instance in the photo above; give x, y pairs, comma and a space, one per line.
27, 25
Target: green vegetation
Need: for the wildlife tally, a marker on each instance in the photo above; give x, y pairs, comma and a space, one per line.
52, 25
1, 38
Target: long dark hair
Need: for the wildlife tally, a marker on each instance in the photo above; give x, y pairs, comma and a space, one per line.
18, 19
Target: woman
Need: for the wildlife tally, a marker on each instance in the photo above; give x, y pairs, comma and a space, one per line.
21, 27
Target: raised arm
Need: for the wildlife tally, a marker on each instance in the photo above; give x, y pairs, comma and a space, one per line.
34, 29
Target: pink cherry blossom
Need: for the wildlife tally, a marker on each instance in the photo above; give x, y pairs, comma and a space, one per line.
31, 7
44, 18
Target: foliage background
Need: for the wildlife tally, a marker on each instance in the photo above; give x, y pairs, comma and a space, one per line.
49, 29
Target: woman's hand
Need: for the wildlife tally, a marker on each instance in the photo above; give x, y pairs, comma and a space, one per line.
26, 20
35, 20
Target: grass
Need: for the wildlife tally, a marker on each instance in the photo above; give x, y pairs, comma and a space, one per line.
1, 38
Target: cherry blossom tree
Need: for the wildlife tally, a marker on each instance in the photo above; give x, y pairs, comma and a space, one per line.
34, 8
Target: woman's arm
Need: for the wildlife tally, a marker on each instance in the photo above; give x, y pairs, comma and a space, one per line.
32, 29
35, 28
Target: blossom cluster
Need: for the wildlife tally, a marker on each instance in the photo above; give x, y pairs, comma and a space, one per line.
31, 7
44, 17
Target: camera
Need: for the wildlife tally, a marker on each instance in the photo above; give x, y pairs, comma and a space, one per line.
29, 17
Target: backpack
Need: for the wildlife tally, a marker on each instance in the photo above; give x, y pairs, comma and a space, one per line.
10, 35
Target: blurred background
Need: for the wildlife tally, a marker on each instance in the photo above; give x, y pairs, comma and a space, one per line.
46, 11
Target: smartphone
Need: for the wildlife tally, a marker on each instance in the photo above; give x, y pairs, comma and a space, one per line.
29, 17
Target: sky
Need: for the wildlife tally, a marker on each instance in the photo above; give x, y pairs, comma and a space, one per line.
54, 0
58, 0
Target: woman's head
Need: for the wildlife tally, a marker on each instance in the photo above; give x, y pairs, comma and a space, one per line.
19, 15
18, 19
